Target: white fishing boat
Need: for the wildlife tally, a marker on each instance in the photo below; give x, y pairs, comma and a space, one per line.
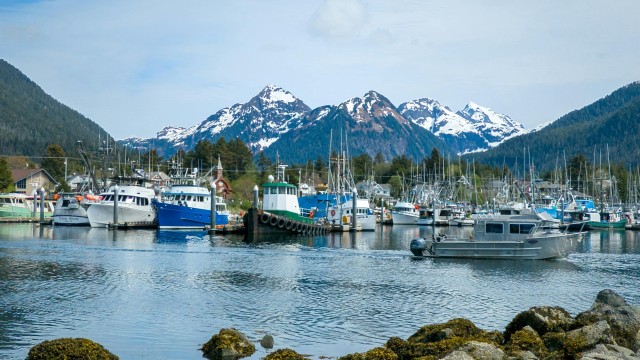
404, 213
133, 208
71, 209
501, 237
342, 214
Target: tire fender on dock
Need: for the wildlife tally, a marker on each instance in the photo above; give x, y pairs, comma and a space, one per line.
264, 218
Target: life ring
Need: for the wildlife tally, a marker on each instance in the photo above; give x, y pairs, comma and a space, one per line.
333, 213
289, 225
311, 213
273, 221
264, 218
281, 223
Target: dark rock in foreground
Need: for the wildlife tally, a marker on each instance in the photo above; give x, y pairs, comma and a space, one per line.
285, 354
228, 344
609, 330
69, 349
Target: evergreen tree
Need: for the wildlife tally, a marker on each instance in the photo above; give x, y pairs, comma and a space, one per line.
53, 162
6, 180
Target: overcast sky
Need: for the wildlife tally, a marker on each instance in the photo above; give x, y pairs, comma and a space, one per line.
136, 66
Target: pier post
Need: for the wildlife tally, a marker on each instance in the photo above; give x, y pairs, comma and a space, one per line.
41, 205
354, 211
212, 225
252, 216
115, 205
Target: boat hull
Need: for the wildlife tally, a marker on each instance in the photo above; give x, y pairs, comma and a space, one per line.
172, 216
607, 225
259, 222
101, 215
549, 247
404, 219
70, 220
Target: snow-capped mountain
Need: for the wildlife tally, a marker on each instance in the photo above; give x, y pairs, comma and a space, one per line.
372, 125
259, 122
275, 120
475, 128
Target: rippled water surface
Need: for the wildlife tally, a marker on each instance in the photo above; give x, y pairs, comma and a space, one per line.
147, 294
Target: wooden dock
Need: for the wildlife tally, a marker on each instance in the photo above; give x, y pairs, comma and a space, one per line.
18, 220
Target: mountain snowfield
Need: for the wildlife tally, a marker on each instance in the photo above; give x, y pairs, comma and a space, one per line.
475, 128
263, 120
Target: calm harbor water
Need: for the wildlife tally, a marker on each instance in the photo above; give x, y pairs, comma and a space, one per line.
147, 294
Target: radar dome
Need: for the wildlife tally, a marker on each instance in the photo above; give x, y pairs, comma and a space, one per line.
270, 178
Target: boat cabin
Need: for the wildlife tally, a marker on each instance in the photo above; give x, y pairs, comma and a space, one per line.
505, 228
280, 197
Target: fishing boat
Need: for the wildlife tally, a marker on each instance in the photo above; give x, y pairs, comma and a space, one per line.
405, 213
428, 216
522, 236
133, 208
606, 219
188, 206
14, 205
342, 213
71, 209
280, 211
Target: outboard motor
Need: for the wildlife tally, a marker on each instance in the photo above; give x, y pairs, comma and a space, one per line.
418, 246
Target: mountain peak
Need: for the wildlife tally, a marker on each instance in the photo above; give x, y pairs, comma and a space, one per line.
272, 93
371, 105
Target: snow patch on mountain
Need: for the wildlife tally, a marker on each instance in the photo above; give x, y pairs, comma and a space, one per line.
475, 128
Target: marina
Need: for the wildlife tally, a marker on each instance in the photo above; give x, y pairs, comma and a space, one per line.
148, 293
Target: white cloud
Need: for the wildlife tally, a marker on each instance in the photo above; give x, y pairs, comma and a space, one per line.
336, 19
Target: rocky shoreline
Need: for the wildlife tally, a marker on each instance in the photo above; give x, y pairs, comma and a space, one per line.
610, 329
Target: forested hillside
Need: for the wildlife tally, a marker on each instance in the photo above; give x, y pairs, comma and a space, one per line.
613, 122
30, 119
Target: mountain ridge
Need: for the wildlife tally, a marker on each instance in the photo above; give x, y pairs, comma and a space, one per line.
273, 112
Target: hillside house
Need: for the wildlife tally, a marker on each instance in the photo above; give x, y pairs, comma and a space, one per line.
29, 181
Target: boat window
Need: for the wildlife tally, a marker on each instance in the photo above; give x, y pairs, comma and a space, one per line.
282, 190
520, 228
494, 228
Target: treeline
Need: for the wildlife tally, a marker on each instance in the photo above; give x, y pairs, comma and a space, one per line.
591, 174
613, 122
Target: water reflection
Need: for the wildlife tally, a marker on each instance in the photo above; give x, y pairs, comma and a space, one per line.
161, 294
611, 242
